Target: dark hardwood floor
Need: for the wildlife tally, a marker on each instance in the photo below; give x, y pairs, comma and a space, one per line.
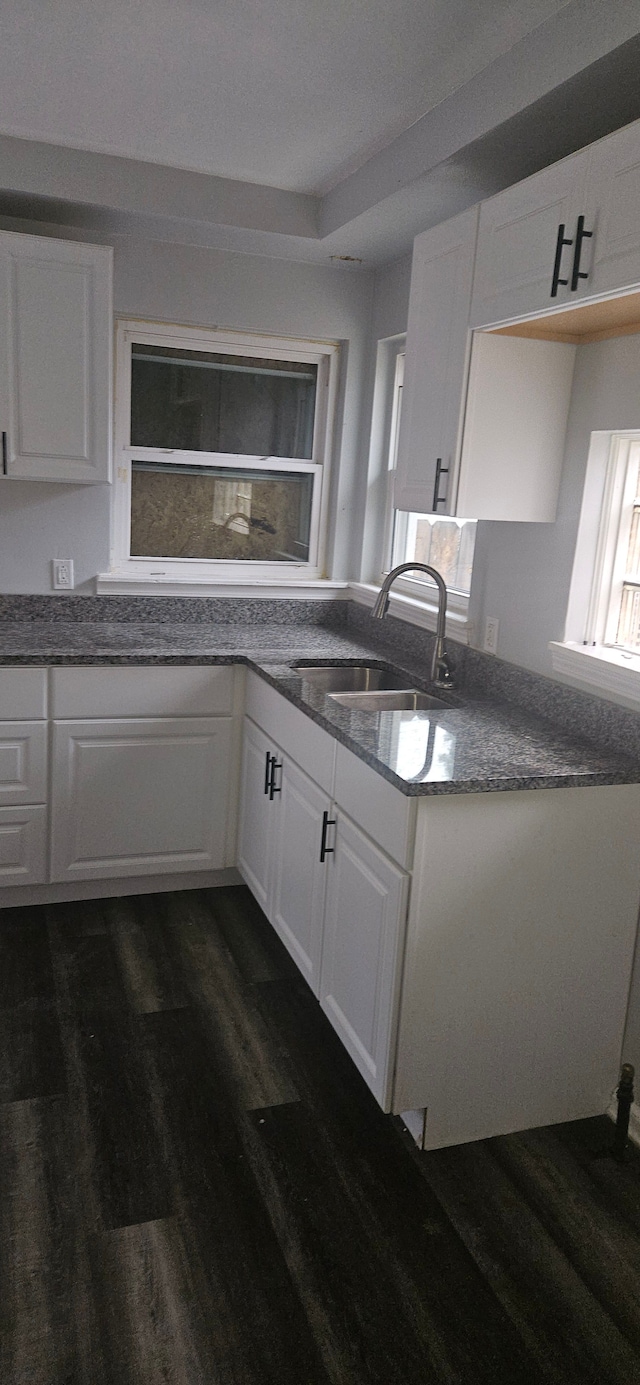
196, 1187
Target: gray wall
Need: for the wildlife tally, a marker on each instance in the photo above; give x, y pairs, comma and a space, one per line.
389, 319
39, 521
522, 572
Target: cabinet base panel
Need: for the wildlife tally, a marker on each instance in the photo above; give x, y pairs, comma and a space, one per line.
108, 889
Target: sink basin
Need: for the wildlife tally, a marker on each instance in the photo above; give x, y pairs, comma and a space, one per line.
361, 678
404, 700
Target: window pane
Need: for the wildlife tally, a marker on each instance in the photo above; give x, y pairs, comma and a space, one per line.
209, 512
446, 544
629, 627
203, 401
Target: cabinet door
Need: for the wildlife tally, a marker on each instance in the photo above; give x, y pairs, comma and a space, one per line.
435, 365
23, 846
139, 797
257, 814
23, 761
364, 933
55, 359
299, 876
613, 214
518, 239
515, 426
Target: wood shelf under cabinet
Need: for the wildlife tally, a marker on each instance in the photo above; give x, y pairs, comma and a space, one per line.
611, 317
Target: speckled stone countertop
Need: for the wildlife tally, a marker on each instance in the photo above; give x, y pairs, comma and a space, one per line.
478, 745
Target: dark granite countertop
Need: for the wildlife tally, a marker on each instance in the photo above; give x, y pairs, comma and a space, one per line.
476, 746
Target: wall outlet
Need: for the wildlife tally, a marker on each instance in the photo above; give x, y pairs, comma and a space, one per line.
491, 627
62, 574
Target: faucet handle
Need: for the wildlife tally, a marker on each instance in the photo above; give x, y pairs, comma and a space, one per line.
443, 671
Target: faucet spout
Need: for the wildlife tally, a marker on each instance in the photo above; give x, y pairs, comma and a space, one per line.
441, 675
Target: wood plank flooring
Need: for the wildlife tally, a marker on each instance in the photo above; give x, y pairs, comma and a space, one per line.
196, 1188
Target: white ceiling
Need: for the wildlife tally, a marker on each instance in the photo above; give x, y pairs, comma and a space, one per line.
293, 94
305, 129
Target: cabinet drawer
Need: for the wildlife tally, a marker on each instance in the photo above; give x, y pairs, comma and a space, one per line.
23, 694
23, 762
385, 814
141, 692
23, 846
302, 739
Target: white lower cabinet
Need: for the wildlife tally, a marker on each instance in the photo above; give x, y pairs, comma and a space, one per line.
283, 817
23, 776
23, 845
472, 951
362, 952
256, 818
143, 779
23, 762
299, 873
333, 895
139, 797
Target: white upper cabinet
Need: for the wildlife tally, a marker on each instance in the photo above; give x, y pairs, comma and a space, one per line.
591, 201
613, 212
437, 343
514, 429
484, 443
55, 359
522, 262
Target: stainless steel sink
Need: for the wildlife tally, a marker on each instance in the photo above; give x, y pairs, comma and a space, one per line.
360, 678
406, 700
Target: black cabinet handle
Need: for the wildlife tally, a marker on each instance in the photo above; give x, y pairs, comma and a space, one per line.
4, 454
560, 244
324, 849
267, 773
581, 235
441, 470
273, 787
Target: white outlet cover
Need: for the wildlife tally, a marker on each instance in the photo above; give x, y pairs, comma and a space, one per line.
62, 574
491, 627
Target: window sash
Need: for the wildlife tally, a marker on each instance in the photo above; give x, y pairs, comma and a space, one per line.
611, 579
324, 356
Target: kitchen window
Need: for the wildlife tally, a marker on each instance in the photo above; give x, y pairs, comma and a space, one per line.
222, 454
614, 617
605, 595
445, 543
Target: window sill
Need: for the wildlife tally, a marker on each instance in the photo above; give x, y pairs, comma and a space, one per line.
140, 584
423, 613
600, 670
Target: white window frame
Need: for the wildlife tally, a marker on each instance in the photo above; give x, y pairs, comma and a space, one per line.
200, 573
589, 656
413, 598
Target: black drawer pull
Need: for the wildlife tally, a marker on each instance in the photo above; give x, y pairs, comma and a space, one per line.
581, 235
560, 244
324, 849
441, 470
267, 773
4, 454
273, 787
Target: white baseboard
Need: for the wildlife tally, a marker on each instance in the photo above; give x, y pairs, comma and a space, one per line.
108, 889
634, 1120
